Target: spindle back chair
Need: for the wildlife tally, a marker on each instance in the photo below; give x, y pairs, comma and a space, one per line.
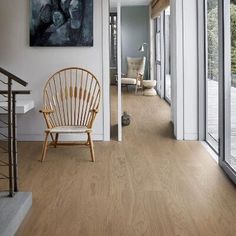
71, 100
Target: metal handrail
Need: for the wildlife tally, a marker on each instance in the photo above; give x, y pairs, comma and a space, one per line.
10, 125
16, 92
13, 77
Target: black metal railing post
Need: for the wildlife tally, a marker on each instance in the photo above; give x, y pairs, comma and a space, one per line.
14, 142
10, 162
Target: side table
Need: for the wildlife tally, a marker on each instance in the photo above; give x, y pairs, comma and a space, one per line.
148, 86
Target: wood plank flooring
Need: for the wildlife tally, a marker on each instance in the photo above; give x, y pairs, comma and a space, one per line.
148, 185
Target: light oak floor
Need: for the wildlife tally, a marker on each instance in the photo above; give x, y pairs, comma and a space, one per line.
150, 184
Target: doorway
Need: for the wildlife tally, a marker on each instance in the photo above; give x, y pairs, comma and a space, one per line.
129, 31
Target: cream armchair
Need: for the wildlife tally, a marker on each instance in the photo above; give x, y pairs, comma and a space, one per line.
136, 69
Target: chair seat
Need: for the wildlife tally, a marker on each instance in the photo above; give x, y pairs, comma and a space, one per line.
69, 129
131, 81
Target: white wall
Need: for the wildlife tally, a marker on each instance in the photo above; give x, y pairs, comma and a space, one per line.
36, 64
190, 70
176, 34
184, 52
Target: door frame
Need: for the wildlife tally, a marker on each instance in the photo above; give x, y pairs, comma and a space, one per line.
119, 71
106, 70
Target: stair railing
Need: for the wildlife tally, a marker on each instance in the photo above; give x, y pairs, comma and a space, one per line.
8, 140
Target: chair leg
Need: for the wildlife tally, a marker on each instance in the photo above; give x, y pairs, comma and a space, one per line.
91, 147
136, 88
56, 140
45, 146
52, 137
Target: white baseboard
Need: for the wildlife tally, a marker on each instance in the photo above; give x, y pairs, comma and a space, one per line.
69, 137
191, 136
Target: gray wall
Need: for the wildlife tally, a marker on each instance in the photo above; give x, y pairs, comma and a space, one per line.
134, 32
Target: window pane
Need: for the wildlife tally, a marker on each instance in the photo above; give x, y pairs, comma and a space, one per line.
167, 56
212, 84
158, 54
113, 40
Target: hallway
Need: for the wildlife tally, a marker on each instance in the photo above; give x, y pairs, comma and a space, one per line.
148, 185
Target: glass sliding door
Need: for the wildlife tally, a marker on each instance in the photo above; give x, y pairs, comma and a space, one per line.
158, 53
212, 73
231, 159
113, 40
167, 55
220, 38
113, 48
227, 33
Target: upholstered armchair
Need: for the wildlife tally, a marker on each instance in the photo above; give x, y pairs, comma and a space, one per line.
136, 69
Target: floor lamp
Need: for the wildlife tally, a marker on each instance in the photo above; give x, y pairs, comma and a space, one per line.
144, 47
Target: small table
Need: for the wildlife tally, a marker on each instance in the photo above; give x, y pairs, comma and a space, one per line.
149, 87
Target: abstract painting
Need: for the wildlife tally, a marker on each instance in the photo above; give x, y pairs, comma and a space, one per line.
61, 23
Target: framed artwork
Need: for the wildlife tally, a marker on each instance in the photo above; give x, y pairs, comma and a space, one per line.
61, 23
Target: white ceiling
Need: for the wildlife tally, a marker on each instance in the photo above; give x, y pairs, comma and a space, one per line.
113, 3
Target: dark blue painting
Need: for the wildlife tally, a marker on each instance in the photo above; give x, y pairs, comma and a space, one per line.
61, 23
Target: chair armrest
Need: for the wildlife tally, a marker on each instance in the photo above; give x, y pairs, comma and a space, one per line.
46, 111
94, 110
93, 115
139, 76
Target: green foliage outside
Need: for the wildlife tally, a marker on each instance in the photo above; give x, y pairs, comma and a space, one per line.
233, 38
211, 4
212, 34
213, 39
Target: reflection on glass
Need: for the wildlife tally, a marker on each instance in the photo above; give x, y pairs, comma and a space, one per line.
158, 54
167, 56
212, 75
232, 158
158, 76
113, 40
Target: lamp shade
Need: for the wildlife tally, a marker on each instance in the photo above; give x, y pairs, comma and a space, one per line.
141, 49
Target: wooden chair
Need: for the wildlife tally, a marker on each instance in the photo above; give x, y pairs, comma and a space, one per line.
71, 100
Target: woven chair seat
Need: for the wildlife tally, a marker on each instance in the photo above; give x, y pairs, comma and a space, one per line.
69, 129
